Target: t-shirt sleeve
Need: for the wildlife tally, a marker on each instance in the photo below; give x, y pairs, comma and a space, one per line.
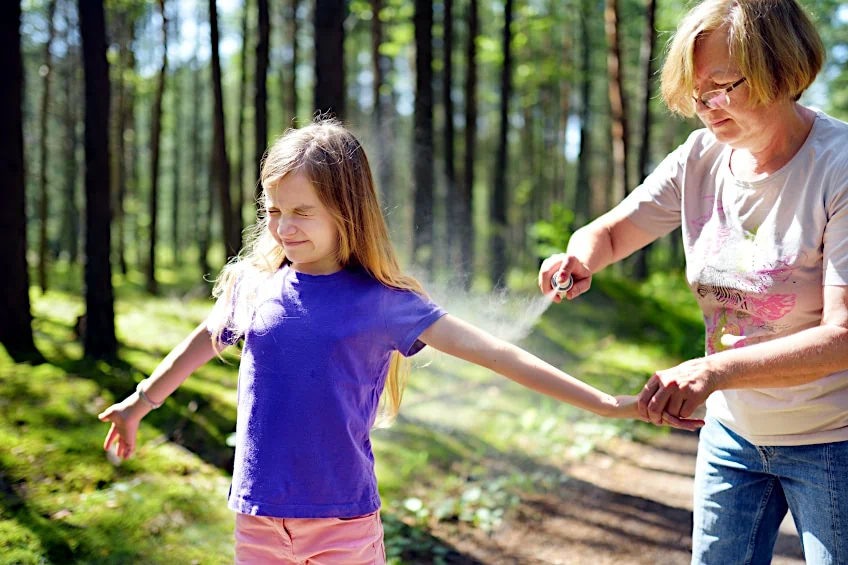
407, 314
654, 206
223, 316
835, 238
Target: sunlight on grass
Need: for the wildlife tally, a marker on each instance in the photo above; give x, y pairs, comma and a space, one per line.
467, 446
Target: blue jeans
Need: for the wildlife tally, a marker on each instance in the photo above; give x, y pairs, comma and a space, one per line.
742, 493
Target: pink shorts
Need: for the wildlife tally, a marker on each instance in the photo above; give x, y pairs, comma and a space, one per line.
261, 540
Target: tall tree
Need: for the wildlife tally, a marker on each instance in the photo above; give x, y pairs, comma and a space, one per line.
618, 101
16, 329
120, 124
329, 92
582, 188
238, 175
176, 98
466, 226
220, 163
454, 212
499, 260
42, 173
292, 98
380, 64
649, 38
99, 335
422, 139
155, 139
260, 120
199, 195
70, 223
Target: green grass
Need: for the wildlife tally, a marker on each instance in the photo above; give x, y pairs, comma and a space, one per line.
466, 447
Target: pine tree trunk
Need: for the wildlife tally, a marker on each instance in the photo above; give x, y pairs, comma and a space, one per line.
99, 336
583, 187
43, 209
16, 329
329, 91
640, 267
422, 144
238, 175
70, 229
293, 99
618, 105
156, 121
177, 186
498, 261
221, 165
454, 216
466, 225
260, 92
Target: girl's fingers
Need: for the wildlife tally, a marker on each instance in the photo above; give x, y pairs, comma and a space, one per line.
106, 414
682, 423
110, 437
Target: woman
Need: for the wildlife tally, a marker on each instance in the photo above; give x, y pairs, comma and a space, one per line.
761, 196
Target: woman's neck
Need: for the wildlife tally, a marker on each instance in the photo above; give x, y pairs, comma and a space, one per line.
779, 142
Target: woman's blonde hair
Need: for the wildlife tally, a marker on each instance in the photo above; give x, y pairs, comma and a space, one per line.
775, 44
334, 160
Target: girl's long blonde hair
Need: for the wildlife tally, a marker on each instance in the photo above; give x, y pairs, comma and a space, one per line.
334, 160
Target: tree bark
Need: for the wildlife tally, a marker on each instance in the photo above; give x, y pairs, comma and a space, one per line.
238, 175
70, 228
329, 92
293, 99
583, 187
466, 226
16, 329
649, 37
221, 165
260, 89
454, 212
156, 121
498, 260
618, 104
43, 208
422, 141
99, 336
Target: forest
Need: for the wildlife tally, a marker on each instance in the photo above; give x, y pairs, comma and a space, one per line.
132, 137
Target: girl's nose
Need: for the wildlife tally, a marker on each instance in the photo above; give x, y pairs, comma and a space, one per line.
286, 227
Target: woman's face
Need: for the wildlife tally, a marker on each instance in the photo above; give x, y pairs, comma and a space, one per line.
734, 123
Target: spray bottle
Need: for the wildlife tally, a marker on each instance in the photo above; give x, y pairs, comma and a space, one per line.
561, 287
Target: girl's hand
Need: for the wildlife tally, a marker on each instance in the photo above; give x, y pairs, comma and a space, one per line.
125, 417
565, 265
626, 406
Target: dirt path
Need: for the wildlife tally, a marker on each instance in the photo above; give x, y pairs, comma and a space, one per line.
627, 503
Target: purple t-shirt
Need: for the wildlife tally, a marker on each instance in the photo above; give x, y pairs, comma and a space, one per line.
314, 364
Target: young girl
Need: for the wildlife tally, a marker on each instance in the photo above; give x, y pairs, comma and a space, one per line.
326, 316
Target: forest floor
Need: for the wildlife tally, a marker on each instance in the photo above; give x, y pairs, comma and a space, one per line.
627, 502
476, 469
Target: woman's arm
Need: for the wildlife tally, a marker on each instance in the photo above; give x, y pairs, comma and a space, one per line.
605, 241
182, 361
460, 339
788, 361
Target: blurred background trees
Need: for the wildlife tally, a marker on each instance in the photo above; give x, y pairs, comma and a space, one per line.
494, 128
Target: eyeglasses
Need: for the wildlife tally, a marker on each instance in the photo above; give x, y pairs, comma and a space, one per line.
717, 98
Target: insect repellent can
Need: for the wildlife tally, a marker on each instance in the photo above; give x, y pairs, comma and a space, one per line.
561, 287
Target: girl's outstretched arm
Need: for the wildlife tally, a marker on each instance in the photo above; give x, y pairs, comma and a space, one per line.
182, 361
460, 339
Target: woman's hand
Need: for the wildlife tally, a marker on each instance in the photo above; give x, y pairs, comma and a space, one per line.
565, 265
626, 406
678, 391
125, 417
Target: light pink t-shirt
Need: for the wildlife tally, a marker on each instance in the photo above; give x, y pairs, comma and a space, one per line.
757, 256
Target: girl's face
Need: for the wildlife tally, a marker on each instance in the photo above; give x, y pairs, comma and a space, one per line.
733, 123
302, 225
